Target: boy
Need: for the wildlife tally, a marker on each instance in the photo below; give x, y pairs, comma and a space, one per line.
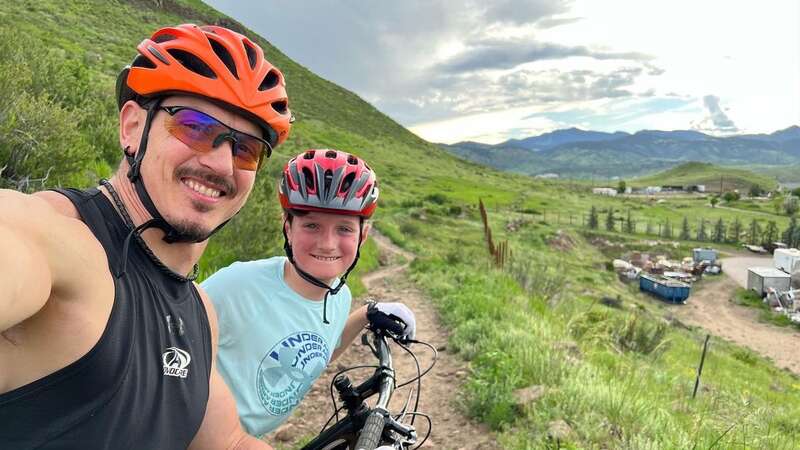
284, 319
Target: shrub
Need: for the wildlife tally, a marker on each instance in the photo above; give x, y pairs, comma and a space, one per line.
437, 198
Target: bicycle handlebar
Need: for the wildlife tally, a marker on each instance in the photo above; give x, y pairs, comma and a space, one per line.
371, 433
377, 422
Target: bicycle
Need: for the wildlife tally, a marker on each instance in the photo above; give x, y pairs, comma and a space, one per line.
364, 427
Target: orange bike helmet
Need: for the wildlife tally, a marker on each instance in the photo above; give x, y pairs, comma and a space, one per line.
214, 63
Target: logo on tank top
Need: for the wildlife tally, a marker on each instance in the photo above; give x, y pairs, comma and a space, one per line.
288, 370
176, 362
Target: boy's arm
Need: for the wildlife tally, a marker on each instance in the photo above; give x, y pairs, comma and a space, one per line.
355, 323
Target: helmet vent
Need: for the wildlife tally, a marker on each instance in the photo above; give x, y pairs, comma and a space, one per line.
225, 56
251, 54
154, 51
328, 180
347, 182
280, 106
331, 154
143, 61
270, 81
309, 178
163, 38
352, 160
309, 155
192, 63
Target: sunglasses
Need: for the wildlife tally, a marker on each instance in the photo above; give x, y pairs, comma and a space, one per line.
203, 133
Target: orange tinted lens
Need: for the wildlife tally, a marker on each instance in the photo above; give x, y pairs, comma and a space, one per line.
195, 129
248, 152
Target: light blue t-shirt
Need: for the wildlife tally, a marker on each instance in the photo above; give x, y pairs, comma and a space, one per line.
272, 342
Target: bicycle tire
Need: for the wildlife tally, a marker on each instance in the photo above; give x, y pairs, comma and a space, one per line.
371, 433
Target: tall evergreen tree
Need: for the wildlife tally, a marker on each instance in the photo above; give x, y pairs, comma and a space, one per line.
754, 233
788, 235
593, 218
610, 220
685, 234
630, 227
770, 234
718, 234
666, 232
735, 230
701, 231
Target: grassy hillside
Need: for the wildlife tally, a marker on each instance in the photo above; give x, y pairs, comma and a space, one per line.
712, 176
618, 377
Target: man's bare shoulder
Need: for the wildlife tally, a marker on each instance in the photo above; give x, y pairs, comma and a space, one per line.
49, 220
59, 203
20, 207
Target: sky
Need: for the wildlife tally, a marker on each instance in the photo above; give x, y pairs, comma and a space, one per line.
492, 70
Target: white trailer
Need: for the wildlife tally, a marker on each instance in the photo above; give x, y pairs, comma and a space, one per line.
760, 279
786, 259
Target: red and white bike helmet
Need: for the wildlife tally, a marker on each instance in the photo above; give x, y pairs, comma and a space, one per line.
328, 181
332, 181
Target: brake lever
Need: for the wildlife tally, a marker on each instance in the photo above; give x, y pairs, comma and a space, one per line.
407, 433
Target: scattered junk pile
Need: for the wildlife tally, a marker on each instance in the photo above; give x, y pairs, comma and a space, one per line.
670, 280
779, 285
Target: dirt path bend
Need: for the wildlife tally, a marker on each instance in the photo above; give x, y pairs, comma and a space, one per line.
710, 307
440, 388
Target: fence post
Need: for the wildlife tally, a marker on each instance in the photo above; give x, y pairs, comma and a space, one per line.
700, 368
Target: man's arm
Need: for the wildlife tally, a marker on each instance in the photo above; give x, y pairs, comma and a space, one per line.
221, 429
38, 249
24, 276
355, 323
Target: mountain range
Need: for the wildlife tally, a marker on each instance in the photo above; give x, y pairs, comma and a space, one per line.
580, 153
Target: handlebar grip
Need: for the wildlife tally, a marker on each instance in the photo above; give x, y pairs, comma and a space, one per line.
371, 433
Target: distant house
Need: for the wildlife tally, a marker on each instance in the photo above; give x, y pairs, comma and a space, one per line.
611, 192
547, 175
652, 190
696, 188
671, 188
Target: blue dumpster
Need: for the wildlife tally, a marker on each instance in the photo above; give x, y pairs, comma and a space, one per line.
669, 290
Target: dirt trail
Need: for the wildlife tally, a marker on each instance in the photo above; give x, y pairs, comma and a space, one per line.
710, 307
451, 429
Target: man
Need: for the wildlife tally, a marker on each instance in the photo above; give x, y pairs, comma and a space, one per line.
106, 342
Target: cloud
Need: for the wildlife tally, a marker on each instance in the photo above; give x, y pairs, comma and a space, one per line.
716, 121
520, 12
429, 60
510, 53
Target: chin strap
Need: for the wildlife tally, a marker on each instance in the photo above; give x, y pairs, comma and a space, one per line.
316, 281
171, 235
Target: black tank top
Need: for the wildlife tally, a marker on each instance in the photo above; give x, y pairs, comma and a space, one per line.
144, 385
